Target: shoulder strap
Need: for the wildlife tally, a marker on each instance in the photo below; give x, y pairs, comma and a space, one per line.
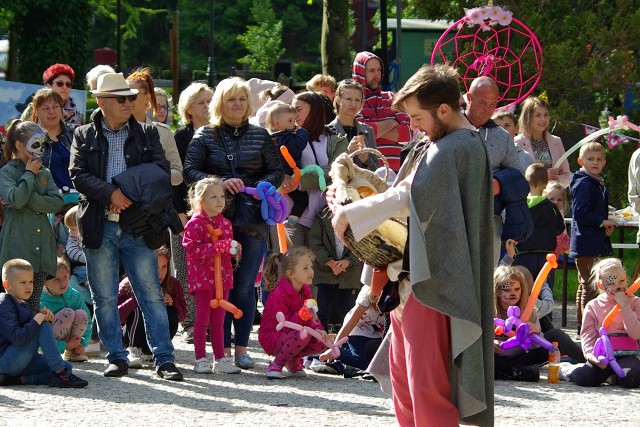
230, 157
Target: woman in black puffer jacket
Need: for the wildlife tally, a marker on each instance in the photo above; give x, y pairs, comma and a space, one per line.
231, 139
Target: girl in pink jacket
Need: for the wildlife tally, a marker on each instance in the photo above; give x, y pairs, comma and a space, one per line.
293, 272
207, 202
624, 330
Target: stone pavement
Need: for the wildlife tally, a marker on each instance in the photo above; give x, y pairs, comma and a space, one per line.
249, 398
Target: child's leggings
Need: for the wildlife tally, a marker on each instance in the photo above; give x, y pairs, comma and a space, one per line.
290, 346
214, 319
69, 323
589, 375
38, 285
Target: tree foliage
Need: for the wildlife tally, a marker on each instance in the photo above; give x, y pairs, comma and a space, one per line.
263, 40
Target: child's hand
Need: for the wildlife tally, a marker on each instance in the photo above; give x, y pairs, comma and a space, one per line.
34, 165
622, 299
39, 317
343, 264
167, 299
48, 315
327, 356
510, 247
592, 359
73, 343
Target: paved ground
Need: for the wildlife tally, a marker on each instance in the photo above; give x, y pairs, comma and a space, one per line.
320, 400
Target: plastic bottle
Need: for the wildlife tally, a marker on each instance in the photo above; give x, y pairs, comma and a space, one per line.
554, 364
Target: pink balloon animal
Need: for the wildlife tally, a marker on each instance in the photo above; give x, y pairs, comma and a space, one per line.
305, 331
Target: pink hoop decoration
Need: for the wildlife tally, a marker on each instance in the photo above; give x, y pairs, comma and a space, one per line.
488, 41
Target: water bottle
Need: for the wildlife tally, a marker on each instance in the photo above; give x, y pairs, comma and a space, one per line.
554, 364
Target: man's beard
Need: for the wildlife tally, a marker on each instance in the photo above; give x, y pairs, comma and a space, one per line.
440, 129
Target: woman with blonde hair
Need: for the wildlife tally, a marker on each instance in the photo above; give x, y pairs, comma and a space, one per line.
243, 155
536, 140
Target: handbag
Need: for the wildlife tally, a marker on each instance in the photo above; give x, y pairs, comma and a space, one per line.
390, 297
247, 218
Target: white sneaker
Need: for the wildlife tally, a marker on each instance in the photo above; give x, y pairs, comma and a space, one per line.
565, 369
202, 366
93, 350
147, 360
135, 357
225, 366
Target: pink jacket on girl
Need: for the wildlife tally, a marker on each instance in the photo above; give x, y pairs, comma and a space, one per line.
200, 251
556, 149
286, 299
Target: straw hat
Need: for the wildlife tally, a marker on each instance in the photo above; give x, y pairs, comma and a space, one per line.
112, 84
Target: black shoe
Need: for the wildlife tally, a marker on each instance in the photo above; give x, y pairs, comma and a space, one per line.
257, 318
341, 368
529, 373
368, 376
168, 371
65, 379
117, 368
6, 380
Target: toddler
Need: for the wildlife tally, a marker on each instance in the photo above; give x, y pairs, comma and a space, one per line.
281, 123
22, 332
76, 256
510, 289
610, 279
288, 276
207, 202
590, 225
72, 323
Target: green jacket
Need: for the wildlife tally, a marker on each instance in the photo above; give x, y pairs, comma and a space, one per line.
336, 145
70, 299
322, 241
27, 232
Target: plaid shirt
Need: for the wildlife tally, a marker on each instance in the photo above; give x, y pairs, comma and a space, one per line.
116, 139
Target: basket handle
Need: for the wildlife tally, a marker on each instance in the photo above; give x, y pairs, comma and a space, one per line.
377, 153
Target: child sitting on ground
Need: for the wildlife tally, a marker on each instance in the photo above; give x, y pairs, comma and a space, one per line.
510, 289
288, 276
610, 278
72, 324
22, 332
281, 123
207, 202
133, 331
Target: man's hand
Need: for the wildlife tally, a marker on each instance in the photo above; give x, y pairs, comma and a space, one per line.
119, 201
339, 222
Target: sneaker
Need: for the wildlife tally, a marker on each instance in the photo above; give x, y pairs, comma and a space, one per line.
187, 336
225, 366
169, 371
295, 368
147, 360
93, 350
70, 356
274, 372
322, 368
134, 357
117, 368
65, 379
7, 380
566, 369
529, 373
202, 366
245, 361
257, 318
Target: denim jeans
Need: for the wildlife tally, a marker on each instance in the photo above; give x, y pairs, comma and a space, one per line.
141, 265
359, 351
25, 361
243, 295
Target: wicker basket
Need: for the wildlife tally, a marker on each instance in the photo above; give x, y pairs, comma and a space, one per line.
386, 243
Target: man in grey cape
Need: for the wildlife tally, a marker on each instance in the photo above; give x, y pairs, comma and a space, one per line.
441, 344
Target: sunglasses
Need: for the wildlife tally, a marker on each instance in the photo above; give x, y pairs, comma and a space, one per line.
122, 98
60, 84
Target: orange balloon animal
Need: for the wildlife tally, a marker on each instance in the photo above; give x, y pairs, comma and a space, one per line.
218, 301
297, 175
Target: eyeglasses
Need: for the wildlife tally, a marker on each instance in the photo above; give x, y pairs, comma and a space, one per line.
60, 84
122, 98
163, 107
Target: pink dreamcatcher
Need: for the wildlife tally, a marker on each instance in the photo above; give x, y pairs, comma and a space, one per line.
489, 41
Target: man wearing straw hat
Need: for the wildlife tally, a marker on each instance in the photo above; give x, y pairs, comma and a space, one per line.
101, 150
441, 340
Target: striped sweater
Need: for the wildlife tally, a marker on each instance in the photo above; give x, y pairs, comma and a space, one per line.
376, 108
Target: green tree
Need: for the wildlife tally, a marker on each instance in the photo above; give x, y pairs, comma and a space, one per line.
336, 53
264, 40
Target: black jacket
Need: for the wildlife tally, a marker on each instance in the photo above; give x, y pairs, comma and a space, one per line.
548, 224
88, 170
255, 155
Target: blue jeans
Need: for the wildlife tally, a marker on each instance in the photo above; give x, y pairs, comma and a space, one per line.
359, 351
141, 265
243, 295
25, 361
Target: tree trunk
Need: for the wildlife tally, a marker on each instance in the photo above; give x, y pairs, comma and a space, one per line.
336, 58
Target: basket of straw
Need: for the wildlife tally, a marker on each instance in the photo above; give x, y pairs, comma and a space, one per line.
351, 182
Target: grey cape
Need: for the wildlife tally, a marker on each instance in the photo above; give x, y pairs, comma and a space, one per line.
451, 261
